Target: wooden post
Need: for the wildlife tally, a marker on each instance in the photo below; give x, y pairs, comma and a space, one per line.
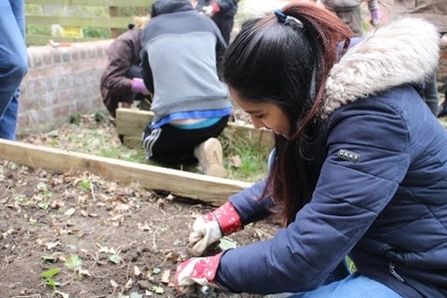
113, 12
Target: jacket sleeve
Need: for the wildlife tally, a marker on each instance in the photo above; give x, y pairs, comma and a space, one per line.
120, 59
249, 205
368, 156
146, 70
373, 5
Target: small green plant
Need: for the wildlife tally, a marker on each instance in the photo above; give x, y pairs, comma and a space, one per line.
43, 196
85, 185
351, 265
75, 118
115, 258
74, 262
42, 187
48, 277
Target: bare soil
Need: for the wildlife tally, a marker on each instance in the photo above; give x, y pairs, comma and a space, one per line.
78, 235
101, 238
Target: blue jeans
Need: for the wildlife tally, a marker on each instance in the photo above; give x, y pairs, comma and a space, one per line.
8, 122
353, 286
13, 63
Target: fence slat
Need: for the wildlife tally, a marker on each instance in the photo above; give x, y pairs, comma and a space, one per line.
98, 22
118, 3
115, 24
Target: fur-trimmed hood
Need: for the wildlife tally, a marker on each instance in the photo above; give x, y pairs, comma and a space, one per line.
405, 50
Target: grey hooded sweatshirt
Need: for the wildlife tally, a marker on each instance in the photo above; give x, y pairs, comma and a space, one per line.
181, 51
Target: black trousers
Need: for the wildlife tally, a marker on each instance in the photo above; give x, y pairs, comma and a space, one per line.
172, 145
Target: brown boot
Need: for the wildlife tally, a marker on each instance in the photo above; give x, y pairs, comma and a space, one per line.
210, 156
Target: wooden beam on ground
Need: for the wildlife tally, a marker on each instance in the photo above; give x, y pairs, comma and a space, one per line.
180, 183
130, 123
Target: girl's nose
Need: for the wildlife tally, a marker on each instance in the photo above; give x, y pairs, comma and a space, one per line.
256, 123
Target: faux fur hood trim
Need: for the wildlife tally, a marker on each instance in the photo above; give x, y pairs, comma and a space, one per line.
405, 50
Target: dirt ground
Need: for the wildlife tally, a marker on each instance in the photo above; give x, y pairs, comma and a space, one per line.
77, 235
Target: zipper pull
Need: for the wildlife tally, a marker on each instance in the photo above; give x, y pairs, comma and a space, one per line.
394, 273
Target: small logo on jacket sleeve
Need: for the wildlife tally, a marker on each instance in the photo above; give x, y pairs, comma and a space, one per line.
348, 155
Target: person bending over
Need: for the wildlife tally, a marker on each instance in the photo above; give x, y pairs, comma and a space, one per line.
181, 51
359, 169
121, 81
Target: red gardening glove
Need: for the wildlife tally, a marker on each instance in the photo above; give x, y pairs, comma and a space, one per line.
196, 271
209, 228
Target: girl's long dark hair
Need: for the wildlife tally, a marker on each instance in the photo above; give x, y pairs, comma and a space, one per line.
287, 65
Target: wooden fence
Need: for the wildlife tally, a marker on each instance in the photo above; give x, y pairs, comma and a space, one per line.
70, 28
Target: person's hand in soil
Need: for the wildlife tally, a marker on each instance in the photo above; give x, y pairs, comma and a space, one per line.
209, 228
196, 272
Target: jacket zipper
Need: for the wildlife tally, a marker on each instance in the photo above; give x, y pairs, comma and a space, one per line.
394, 273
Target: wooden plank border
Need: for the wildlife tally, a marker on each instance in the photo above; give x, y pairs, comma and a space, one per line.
212, 190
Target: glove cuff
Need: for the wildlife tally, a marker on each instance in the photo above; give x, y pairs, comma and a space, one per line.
228, 219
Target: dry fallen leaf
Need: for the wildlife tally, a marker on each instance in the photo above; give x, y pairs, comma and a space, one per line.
57, 204
84, 272
122, 208
136, 271
144, 227
51, 245
70, 211
165, 276
128, 284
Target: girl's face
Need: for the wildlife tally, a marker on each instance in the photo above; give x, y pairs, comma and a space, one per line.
264, 115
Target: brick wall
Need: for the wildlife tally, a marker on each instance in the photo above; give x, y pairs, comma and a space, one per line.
65, 80
60, 82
